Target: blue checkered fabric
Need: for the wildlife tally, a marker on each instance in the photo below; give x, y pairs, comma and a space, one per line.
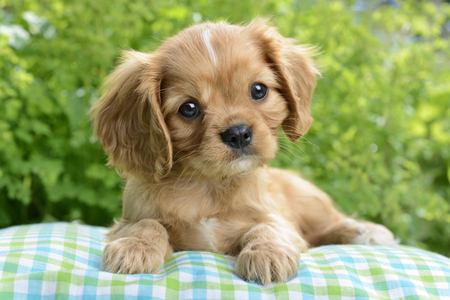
62, 261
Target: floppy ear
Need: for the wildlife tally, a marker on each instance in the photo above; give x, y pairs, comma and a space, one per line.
128, 120
296, 74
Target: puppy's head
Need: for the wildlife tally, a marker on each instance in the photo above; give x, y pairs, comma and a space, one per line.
209, 101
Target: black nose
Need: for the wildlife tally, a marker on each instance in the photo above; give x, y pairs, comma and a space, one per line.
238, 136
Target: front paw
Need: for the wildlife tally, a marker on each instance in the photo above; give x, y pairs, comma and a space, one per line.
266, 262
132, 255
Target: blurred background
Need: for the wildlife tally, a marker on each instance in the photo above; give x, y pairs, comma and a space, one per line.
379, 145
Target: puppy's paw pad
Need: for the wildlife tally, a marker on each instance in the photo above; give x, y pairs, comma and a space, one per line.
131, 256
266, 263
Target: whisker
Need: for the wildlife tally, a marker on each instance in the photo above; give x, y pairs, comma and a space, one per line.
187, 167
187, 155
285, 155
293, 154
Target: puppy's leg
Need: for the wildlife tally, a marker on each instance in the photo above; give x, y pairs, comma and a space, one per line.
270, 252
350, 231
136, 247
319, 222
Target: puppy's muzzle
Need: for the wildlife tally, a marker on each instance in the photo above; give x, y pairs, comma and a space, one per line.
239, 136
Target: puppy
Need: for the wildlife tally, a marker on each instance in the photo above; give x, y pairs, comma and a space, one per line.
191, 127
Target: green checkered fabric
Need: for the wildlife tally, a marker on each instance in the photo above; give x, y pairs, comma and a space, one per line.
62, 261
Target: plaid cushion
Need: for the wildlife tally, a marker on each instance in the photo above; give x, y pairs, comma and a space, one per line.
63, 259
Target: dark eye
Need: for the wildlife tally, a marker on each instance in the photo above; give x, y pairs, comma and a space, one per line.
189, 110
259, 91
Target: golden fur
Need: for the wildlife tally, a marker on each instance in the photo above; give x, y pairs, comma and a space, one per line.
186, 189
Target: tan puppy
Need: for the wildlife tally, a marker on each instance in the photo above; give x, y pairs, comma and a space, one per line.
191, 127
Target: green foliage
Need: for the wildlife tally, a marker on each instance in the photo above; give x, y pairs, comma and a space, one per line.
380, 140
379, 143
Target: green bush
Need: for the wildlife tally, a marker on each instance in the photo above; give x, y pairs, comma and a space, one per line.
379, 143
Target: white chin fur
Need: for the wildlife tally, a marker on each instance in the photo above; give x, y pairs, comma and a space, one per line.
242, 165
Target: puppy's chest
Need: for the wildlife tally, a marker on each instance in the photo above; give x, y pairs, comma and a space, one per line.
208, 233
206, 224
